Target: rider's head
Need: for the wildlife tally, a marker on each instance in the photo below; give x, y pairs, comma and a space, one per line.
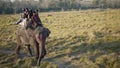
23, 10
26, 9
36, 10
30, 13
35, 13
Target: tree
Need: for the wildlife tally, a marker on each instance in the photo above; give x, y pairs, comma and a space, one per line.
96, 3
103, 3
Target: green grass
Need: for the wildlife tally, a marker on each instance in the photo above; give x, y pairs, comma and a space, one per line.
79, 39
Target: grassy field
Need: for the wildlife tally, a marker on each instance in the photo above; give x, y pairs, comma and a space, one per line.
79, 39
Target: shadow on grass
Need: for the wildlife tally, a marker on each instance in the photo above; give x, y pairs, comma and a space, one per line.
95, 50
77, 46
84, 47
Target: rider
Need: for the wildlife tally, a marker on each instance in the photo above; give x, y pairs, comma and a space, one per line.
39, 20
33, 20
25, 14
36, 18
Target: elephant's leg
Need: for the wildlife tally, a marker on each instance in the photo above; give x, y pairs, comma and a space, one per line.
40, 55
18, 49
18, 45
42, 52
36, 50
29, 50
35, 47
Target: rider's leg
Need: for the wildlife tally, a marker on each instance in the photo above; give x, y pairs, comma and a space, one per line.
20, 20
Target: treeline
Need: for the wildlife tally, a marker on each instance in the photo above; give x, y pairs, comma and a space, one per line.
8, 6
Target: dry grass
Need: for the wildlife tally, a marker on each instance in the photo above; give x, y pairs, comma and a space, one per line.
79, 39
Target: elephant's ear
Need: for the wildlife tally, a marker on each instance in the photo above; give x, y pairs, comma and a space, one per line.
47, 32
